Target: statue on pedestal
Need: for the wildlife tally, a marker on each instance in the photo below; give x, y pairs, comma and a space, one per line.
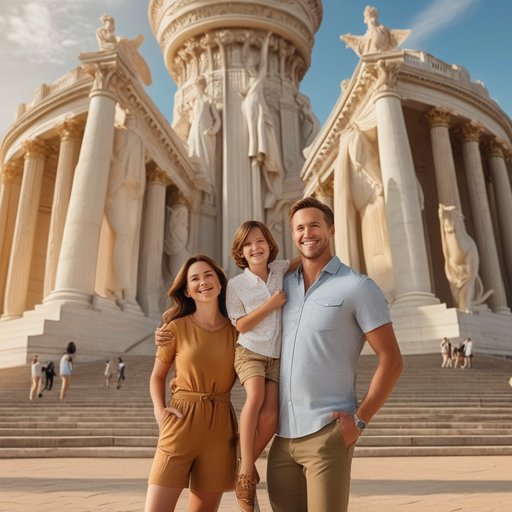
461, 260
263, 148
201, 138
123, 209
378, 38
107, 40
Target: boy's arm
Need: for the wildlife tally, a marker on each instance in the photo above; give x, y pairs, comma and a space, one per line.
294, 263
252, 319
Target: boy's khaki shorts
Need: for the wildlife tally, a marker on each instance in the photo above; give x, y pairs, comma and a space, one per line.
248, 364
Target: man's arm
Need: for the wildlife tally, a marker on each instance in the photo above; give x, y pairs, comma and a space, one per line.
384, 344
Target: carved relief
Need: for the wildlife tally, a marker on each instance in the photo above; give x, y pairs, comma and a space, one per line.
495, 147
156, 175
387, 75
461, 260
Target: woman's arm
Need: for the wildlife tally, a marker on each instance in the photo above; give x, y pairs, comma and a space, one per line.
157, 390
252, 319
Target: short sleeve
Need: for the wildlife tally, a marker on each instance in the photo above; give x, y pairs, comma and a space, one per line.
167, 353
280, 267
234, 304
371, 306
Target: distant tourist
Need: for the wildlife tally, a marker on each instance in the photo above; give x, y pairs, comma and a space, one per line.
446, 352
108, 372
66, 367
120, 375
468, 353
37, 373
49, 373
458, 355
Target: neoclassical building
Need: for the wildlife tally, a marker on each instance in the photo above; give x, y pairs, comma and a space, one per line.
415, 158
102, 198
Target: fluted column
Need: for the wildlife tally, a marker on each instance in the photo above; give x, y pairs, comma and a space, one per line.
401, 193
149, 287
325, 192
76, 270
482, 223
446, 178
18, 274
70, 136
496, 151
10, 180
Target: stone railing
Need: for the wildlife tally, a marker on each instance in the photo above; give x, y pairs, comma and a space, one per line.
45, 90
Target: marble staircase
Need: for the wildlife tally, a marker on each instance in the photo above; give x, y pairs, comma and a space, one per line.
432, 411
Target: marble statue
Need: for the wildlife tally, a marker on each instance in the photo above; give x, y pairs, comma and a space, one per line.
123, 209
176, 240
377, 38
107, 40
461, 260
263, 147
308, 122
359, 177
201, 138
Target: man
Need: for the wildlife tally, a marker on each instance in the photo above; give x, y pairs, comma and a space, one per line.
468, 353
330, 311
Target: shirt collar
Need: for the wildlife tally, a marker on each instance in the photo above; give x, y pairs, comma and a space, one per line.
332, 267
253, 277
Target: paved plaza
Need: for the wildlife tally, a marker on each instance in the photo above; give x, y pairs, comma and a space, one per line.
384, 484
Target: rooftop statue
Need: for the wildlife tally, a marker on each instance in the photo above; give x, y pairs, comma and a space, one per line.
378, 38
107, 40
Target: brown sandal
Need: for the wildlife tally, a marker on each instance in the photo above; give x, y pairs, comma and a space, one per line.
245, 489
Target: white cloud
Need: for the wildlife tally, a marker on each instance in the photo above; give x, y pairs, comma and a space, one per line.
435, 18
47, 30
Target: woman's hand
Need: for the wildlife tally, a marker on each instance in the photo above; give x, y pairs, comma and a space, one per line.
162, 414
163, 337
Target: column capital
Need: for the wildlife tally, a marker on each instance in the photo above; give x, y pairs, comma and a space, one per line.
386, 74
156, 175
325, 189
71, 129
471, 132
35, 148
495, 147
438, 116
11, 172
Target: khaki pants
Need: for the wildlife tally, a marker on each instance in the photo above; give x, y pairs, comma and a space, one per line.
35, 389
310, 473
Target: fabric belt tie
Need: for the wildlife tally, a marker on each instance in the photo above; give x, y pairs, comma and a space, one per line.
198, 396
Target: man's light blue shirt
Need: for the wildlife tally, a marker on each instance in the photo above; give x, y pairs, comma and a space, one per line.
323, 335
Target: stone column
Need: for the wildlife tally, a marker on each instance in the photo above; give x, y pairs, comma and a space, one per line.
10, 180
446, 178
325, 192
18, 274
149, 288
496, 151
482, 223
76, 271
70, 136
402, 196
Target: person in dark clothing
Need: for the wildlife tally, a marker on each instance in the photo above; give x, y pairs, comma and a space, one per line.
49, 372
120, 376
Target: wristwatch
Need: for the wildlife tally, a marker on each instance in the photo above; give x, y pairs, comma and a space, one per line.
360, 424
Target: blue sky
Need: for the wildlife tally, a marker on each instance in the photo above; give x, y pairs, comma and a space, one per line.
40, 41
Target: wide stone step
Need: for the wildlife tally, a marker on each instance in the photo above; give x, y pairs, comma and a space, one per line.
77, 441
431, 451
435, 440
72, 432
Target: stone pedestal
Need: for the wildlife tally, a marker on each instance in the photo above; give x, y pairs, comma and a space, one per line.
70, 135
403, 212
23, 241
149, 286
484, 234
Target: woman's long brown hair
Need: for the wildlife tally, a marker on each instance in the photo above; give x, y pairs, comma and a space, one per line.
183, 305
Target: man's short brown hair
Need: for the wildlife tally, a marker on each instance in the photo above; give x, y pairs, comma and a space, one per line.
241, 235
311, 202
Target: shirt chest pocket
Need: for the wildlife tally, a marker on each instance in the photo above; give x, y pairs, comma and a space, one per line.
325, 314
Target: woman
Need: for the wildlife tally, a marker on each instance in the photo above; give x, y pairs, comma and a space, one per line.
66, 367
197, 440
